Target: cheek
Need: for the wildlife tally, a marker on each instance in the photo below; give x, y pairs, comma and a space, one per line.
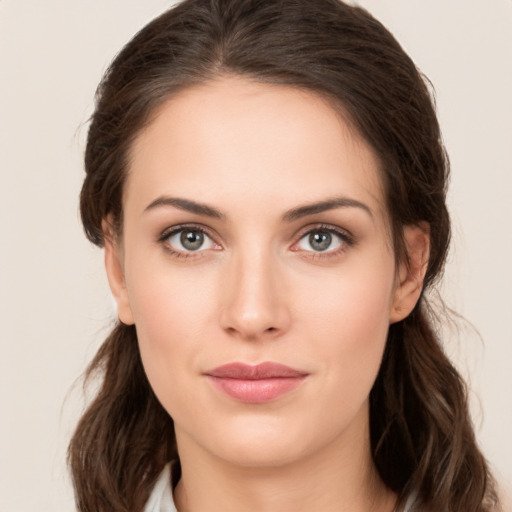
170, 311
349, 322
167, 301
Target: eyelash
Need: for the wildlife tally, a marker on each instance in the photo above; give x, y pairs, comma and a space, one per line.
346, 240
168, 233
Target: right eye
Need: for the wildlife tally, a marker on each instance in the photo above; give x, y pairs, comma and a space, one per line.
188, 240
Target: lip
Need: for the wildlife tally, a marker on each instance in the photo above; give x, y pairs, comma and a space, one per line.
255, 384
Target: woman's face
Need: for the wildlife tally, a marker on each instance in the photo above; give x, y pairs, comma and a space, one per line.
254, 232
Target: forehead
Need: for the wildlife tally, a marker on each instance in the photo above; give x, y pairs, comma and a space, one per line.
247, 144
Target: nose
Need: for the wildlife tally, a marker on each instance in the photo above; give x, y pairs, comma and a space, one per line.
254, 305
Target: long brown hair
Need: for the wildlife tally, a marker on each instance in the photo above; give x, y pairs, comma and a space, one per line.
422, 438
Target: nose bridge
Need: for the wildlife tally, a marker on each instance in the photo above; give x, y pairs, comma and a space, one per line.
253, 304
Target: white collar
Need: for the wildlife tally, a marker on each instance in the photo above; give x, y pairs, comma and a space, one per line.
161, 499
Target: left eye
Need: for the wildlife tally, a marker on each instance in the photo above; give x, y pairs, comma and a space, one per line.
190, 240
320, 240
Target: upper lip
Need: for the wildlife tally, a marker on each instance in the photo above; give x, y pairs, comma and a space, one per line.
242, 371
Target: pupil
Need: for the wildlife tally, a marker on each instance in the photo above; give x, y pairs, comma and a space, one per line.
320, 241
192, 240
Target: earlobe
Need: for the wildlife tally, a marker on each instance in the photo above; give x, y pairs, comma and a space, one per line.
411, 273
115, 275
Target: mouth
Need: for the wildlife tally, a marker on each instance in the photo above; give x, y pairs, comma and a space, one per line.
255, 384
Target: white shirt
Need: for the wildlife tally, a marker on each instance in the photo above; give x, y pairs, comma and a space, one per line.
161, 499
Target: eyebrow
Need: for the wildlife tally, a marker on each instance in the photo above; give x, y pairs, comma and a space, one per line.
289, 216
186, 205
323, 206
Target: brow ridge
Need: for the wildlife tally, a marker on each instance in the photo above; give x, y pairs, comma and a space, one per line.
185, 204
291, 215
322, 206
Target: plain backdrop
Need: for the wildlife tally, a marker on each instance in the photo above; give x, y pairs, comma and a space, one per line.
54, 304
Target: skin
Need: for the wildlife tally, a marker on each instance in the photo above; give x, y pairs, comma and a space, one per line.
258, 290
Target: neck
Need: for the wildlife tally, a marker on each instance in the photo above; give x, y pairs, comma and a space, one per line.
341, 477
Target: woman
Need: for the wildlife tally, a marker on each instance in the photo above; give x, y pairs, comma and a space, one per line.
268, 181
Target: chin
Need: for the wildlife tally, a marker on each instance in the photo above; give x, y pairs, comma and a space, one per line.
264, 442
263, 454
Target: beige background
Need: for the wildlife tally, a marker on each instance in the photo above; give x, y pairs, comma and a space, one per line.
54, 304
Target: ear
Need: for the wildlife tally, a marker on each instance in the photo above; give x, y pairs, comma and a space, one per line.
115, 273
411, 272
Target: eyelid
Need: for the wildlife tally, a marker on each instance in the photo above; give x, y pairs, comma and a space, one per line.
331, 228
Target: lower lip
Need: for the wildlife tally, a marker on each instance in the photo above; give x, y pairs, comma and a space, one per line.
256, 391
